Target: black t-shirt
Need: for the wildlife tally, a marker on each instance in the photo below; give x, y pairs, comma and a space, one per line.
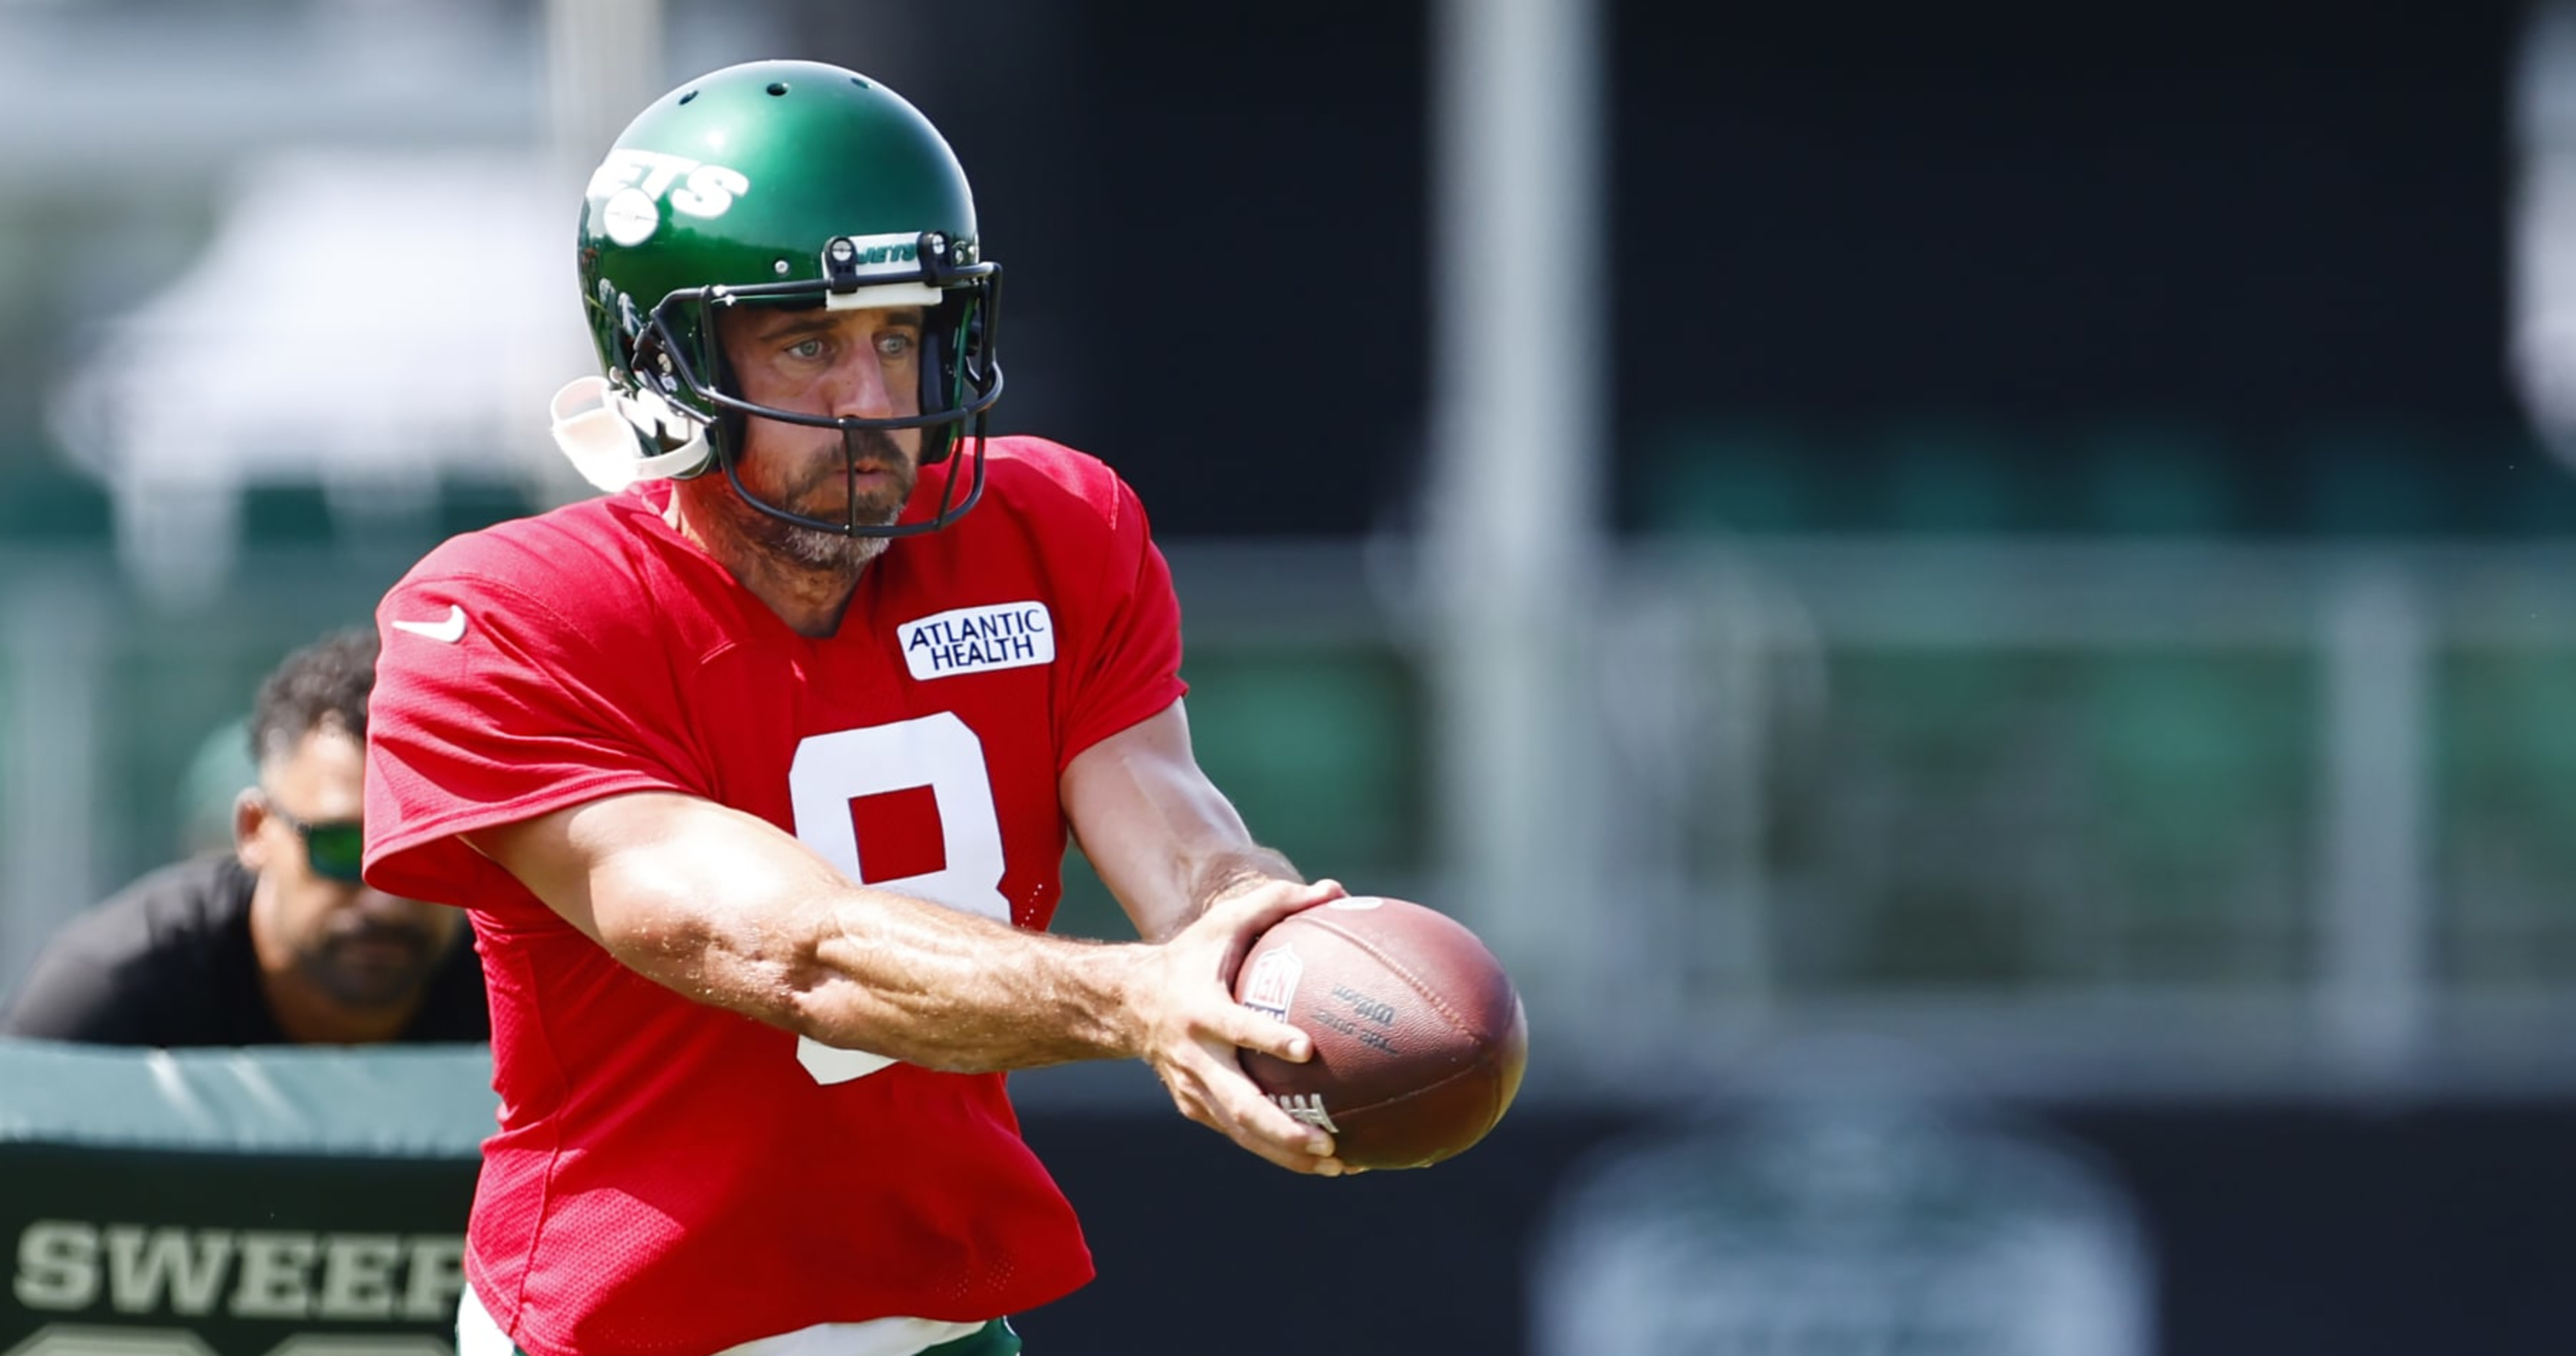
168, 961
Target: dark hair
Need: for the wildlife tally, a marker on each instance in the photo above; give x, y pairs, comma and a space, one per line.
324, 685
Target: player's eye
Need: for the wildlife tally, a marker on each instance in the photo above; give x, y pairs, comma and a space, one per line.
806, 349
895, 344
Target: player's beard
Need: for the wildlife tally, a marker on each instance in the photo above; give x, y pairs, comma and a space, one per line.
822, 493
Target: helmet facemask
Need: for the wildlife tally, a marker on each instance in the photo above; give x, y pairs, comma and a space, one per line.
960, 378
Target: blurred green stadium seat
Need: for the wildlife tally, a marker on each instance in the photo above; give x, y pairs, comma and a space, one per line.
1730, 478
302, 516
54, 506
2374, 480
2507, 732
470, 505
2527, 489
1929, 748
2200, 770
1318, 747
1940, 707
170, 693
2505, 749
1949, 478
286, 515
2179, 752
2156, 479
2504, 755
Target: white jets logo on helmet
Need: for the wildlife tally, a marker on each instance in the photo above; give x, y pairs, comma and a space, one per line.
634, 184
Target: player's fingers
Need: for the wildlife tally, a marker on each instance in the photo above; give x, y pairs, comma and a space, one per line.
1255, 910
1255, 1126
1250, 1030
1244, 918
1246, 1113
1295, 1158
1266, 1124
1305, 1150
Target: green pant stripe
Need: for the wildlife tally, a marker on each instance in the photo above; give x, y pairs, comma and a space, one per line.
993, 1339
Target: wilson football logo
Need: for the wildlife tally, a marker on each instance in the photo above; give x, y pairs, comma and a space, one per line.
1273, 982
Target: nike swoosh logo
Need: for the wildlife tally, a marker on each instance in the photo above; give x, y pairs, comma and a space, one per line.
448, 630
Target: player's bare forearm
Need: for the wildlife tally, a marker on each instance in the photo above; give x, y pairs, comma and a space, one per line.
726, 909
945, 990
1164, 839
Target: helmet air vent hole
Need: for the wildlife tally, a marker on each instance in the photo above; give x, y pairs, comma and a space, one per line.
862, 84
688, 96
778, 88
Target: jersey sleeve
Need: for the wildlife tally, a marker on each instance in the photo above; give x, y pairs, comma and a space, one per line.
1129, 661
520, 714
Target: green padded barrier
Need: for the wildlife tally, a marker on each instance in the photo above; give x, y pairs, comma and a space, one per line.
269, 1202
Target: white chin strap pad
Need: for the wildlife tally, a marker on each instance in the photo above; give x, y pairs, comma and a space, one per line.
601, 441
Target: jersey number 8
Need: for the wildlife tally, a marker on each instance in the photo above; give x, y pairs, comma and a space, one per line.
937, 751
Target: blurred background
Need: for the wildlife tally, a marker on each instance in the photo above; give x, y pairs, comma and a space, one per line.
1977, 599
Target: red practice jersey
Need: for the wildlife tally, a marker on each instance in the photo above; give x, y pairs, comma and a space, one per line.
673, 1177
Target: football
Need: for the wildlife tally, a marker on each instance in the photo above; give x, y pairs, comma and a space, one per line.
1418, 1032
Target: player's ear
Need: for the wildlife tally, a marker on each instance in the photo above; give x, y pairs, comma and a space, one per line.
250, 812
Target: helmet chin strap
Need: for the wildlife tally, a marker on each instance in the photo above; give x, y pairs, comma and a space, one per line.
604, 442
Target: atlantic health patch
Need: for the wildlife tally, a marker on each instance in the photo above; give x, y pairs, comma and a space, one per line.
973, 639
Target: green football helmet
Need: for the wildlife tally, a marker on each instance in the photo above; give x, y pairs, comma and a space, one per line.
776, 183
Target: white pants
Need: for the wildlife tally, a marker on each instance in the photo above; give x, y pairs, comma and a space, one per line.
478, 1335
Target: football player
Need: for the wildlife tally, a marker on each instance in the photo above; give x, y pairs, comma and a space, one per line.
755, 774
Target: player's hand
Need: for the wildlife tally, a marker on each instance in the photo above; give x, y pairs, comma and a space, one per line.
1184, 1003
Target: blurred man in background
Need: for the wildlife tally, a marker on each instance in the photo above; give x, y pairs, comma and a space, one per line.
758, 775
276, 941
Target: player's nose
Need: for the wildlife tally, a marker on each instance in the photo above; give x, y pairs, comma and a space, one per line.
856, 387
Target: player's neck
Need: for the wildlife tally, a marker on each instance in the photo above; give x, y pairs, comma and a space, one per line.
809, 598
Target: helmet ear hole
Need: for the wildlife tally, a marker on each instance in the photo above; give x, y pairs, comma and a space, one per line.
707, 364
954, 332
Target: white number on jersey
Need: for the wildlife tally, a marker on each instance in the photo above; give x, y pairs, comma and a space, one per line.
939, 752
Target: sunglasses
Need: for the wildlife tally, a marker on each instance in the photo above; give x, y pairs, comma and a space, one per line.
333, 850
